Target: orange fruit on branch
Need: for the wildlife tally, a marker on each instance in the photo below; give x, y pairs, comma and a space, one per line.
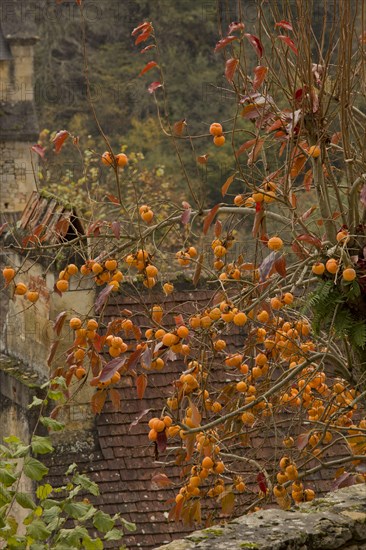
314, 151
215, 129
219, 141
32, 296
349, 274
8, 274
121, 160
107, 159
275, 243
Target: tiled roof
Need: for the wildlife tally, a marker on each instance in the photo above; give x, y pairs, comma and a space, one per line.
122, 460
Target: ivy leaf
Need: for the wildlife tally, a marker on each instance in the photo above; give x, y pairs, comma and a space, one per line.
128, 525
113, 534
103, 522
44, 491
38, 530
34, 469
76, 509
52, 424
41, 445
6, 478
86, 483
25, 501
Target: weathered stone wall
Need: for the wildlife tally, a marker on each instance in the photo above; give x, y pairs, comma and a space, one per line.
17, 75
16, 173
337, 522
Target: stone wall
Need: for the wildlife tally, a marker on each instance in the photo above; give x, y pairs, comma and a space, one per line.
337, 522
17, 179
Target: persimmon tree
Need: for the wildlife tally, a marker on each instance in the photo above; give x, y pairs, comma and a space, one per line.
293, 289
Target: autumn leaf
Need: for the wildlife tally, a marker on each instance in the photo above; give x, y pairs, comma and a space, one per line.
148, 48
141, 383
308, 178
102, 298
209, 218
60, 139
218, 228
230, 68
224, 42
363, 195
143, 37
290, 43
179, 127
161, 441
150, 65
253, 155
284, 25
111, 367
310, 239
247, 145
154, 86
52, 352
59, 322
302, 440
97, 401
262, 483
259, 76
256, 43
235, 26
198, 270
160, 480
141, 28
227, 503
115, 398
116, 229
202, 159
196, 415
41, 151
228, 182
280, 265
186, 216
308, 212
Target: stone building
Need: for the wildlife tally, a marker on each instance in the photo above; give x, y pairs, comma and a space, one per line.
18, 119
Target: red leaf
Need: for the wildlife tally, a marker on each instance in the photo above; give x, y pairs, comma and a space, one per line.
133, 358
308, 212
280, 265
59, 322
299, 251
230, 68
198, 270
141, 383
110, 368
113, 198
154, 86
252, 110
148, 67
247, 145
258, 218
141, 28
116, 228
160, 480
189, 443
336, 137
235, 26
60, 139
178, 320
161, 441
97, 401
148, 48
256, 43
310, 239
115, 398
290, 43
284, 24
196, 415
261, 480
224, 42
39, 150
228, 182
146, 358
138, 418
218, 228
259, 75
209, 218
102, 298
308, 178
202, 159
52, 352
275, 126
186, 216
143, 37
302, 441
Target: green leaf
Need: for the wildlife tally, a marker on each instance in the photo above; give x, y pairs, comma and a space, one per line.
6, 478
38, 530
92, 544
55, 395
43, 491
38, 546
5, 496
128, 525
36, 402
72, 536
41, 445
22, 450
357, 334
103, 522
76, 509
86, 483
114, 534
71, 468
25, 501
52, 424
34, 469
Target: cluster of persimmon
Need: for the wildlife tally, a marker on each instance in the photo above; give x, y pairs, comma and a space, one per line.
120, 160
20, 289
333, 267
266, 193
185, 255
288, 473
174, 340
142, 261
217, 133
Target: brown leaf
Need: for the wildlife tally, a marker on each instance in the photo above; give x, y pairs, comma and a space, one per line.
218, 228
236, 26
143, 36
189, 445
259, 75
258, 219
112, 198
138, 418
228, 182
59, 322
202, 159
308, 212
198, 270
186, 216
52, 352
97, 401
161, 441
159, 480
227, 503
290, 43
253, 155
196, 415
302, 440
209, 218
284, 24
224, 42
146, 358
111, 367
143, 27
179, 127
60, 139
115, 398
297, 165
247, 145
141, 383
308, 178
150, 65
148, 48
102, 298
280, 265
310, 239
256, 43
230, 68
336, 137
116, 228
